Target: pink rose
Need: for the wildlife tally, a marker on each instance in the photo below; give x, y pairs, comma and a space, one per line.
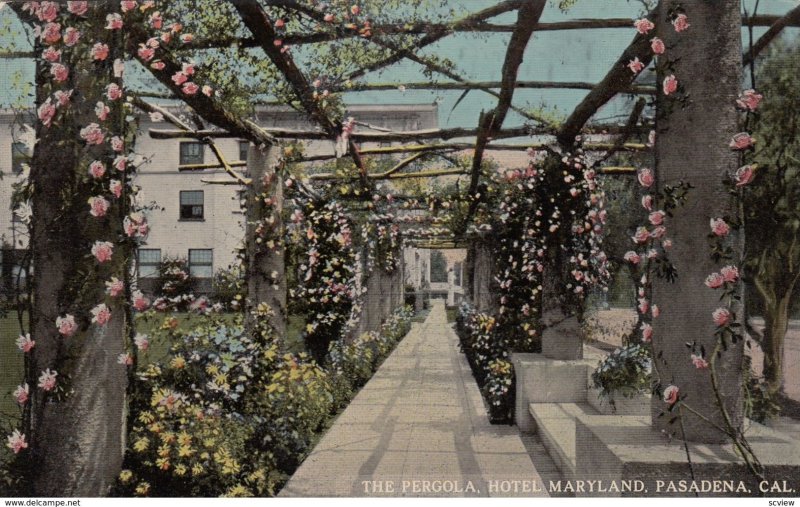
657, 217
699, 362
115, 287
47, 11
748, 100
140, 302
113, 91
102, 251
279, 23
152, 42
719, 227
643, 26
98, 206
113, 21
329, 18
647, 332
667, 244
207, 91
657, 45
71, 36
744, 175
681, 23
188, 69
117, 144
141, 341
714, 281
21, 394
176, 27
647, 202
721, 316
646, 177
63, 97
641, 235
632, 257
658, 232
101, 314
47, 380
24, 343
125, 359
51, 33
652, 253
187, 38
655, 311
78, 8
59, 72
742, 141
51, 54
67, 326
92, 134
97, 169
101, 110
156, 21
100, 51
644, 305
46, 112
355, 9
671, 395
635, 65
190, 88
146, 53
730, 273
127, 5
115, 186
179, 78
120, 163
670, 85
16, 442
277, 43
158, 65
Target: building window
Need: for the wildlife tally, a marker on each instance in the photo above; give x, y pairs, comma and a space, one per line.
244, 147
149, 260
201, 263
191, 205
192, 153
19, 157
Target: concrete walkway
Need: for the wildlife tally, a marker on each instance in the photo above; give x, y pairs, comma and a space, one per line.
419, 428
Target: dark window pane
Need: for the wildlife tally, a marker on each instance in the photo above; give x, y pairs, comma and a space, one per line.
149, 259
191, 203
192, 153
201, 263
244, 146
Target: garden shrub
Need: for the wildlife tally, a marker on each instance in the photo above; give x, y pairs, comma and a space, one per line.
626, 371
226, 414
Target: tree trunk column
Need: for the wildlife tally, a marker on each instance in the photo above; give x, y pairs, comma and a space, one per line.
692, 143
483, 279
265, 259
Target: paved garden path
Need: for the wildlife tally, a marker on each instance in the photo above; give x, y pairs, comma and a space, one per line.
421, 418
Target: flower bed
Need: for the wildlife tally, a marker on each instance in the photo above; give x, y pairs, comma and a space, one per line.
224, 414
487, 355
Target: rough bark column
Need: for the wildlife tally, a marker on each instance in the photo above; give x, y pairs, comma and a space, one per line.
265, 275
483, 281
692, 143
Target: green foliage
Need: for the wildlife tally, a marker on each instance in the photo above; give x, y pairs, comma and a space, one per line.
626, 371
228, 288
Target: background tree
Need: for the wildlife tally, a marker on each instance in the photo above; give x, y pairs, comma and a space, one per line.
772, 205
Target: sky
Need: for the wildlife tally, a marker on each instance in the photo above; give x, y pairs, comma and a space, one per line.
575, 55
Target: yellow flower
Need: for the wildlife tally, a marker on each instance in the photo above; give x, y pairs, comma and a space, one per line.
212, 369
178, 362
168, 437
125, 476
238, 491
163, 463
210, 442
180, 470
185, 451
258, 475
197, 469
221, 379
184, 438
163, 451
141, 444
146, 417
143, 488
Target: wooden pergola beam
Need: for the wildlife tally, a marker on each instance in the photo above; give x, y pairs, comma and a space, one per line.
478, 85
396, 176
492, 122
